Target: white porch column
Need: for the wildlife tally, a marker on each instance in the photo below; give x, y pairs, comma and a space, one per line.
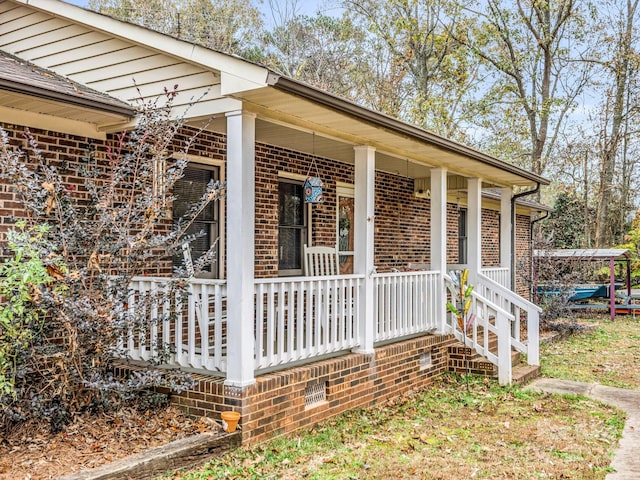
240, 247
474, 225
365, 169
438, 228
505, 229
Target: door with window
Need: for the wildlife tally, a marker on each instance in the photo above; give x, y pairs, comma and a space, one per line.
292, 227
345, 215
188, 190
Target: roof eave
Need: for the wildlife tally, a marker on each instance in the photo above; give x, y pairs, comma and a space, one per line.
316, 95
15, 87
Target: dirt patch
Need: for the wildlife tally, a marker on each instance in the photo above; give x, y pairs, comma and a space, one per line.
32, 452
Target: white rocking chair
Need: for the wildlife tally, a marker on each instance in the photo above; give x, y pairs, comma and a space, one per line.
320, 261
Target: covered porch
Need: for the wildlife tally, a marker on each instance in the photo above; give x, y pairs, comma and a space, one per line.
248, 324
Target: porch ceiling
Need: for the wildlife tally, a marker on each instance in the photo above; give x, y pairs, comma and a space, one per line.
290, 121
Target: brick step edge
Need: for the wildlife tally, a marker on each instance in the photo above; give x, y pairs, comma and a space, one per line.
458, 354
184, 453
523, 374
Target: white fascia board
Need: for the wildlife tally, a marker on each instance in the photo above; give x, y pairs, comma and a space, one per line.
231, 84
252, 75
204, 109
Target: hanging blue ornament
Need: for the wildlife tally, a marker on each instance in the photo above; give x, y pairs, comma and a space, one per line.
313, 190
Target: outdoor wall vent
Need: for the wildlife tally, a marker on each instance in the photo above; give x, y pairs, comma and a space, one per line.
426, 360
315, 395
422, 187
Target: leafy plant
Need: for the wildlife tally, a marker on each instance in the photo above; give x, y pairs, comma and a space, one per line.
92, 226
460, 307
25, 286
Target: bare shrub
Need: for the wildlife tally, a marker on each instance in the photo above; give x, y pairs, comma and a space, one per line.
92, 239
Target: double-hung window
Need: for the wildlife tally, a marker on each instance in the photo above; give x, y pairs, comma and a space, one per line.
292, 226
462, 236
188, 190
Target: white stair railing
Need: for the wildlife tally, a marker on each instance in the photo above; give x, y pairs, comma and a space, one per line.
490, 328
521, 309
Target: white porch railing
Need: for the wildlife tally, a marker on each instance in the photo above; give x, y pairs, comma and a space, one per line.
404, 303
305, 317
302, 318
191, 328
499, 275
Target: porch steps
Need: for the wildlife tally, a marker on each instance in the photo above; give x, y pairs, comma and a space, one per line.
479, 365
523, 374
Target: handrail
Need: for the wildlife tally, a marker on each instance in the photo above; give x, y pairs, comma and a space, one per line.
508, 294
513, 302
482, 328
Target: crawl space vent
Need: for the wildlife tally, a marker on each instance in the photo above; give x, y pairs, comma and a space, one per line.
315, 394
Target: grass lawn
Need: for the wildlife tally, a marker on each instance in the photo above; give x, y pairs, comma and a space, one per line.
610, 354
446, 433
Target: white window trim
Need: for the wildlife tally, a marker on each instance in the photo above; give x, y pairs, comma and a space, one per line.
222, 224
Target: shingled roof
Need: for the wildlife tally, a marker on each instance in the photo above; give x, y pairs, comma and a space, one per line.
23, 77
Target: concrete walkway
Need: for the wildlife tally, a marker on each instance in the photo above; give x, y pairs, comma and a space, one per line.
627, 458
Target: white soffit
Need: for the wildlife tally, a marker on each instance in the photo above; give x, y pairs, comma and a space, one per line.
392, 149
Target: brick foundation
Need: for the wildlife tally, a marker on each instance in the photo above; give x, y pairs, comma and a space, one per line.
275, 404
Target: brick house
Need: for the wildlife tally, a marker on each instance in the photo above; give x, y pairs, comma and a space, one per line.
402, 207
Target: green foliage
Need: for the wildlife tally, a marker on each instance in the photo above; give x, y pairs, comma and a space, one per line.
321, 50
228, 26
426, 76
24, 280
632, 242
567, 224
461, 305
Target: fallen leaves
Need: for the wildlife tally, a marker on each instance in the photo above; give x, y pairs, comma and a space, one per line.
31, 450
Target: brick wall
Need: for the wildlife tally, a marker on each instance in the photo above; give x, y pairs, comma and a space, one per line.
402, 220
523, 254
490, 238
70, 153
401, 223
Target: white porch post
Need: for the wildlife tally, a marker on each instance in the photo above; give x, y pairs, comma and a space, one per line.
240, 247
505, 230
365, 166
438, 227
474, 219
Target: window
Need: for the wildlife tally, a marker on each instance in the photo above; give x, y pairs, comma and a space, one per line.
345, 233
462, 236
292, 227
188, 190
